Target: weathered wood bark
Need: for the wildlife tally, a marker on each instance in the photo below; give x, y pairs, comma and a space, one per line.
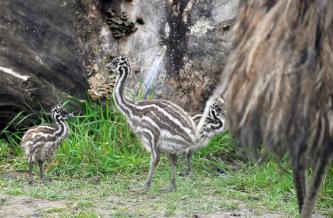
179, 46
52, 47
38, 55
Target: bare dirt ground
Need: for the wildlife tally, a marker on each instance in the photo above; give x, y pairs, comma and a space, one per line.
24, 206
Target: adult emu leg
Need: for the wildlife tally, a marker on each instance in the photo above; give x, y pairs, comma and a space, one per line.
319, 172
299, 170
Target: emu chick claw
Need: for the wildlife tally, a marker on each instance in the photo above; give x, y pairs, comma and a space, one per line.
171, 188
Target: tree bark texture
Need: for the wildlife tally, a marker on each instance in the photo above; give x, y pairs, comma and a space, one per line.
50, 49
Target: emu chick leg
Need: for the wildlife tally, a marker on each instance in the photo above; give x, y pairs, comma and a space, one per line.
173, 162
41, 170
31, 180
188, 170
155, 159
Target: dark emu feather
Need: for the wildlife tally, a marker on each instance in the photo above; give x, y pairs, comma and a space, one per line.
278, 86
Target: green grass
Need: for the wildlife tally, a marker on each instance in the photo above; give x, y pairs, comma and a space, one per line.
102, 162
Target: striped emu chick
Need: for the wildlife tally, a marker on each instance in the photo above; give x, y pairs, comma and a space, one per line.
162, 126
212, 121
278, 85
208, 126
40, 142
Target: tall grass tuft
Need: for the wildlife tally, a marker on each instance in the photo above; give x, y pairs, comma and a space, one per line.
100, 143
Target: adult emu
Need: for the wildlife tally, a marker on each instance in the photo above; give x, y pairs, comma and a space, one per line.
278, 86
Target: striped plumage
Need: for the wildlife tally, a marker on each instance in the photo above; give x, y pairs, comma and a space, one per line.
208, 126
162, 126
212, 122
40, 142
